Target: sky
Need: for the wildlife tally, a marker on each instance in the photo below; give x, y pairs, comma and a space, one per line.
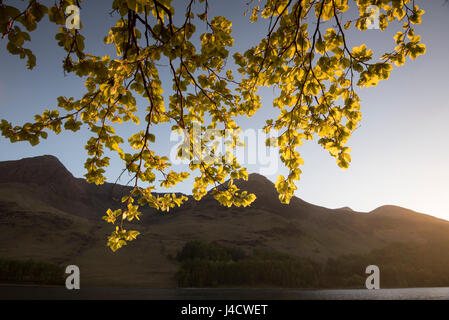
400, 152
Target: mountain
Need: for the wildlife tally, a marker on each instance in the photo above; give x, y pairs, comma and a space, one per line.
345, 208
47, 214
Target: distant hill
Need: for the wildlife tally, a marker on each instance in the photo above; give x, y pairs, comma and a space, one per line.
345, 208
49, 215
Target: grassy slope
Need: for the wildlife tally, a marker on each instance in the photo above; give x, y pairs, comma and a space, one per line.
31, 227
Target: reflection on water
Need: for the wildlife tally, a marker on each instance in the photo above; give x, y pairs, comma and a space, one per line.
31, 292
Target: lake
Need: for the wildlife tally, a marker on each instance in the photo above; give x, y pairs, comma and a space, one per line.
37, 292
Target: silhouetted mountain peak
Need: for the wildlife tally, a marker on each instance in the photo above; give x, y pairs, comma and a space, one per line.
268, 196
256, 181
346, 209
390, 210
35, 170
257, 177
259, 185
46, 171
45, 157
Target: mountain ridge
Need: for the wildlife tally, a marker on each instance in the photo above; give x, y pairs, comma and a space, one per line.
47, 214
39, 169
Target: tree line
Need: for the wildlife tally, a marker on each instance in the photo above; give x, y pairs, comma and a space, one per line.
401, 265
29, 271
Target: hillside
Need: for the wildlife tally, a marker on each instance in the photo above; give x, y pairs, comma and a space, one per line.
47, 214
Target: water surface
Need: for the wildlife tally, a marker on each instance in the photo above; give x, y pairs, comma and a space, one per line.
36, 292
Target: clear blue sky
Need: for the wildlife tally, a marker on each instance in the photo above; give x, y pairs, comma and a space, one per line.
400, 153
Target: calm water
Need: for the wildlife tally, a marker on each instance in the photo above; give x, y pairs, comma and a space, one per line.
31, 292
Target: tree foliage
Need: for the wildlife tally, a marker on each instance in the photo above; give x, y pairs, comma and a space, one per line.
18, 271
402, 265
305, 55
